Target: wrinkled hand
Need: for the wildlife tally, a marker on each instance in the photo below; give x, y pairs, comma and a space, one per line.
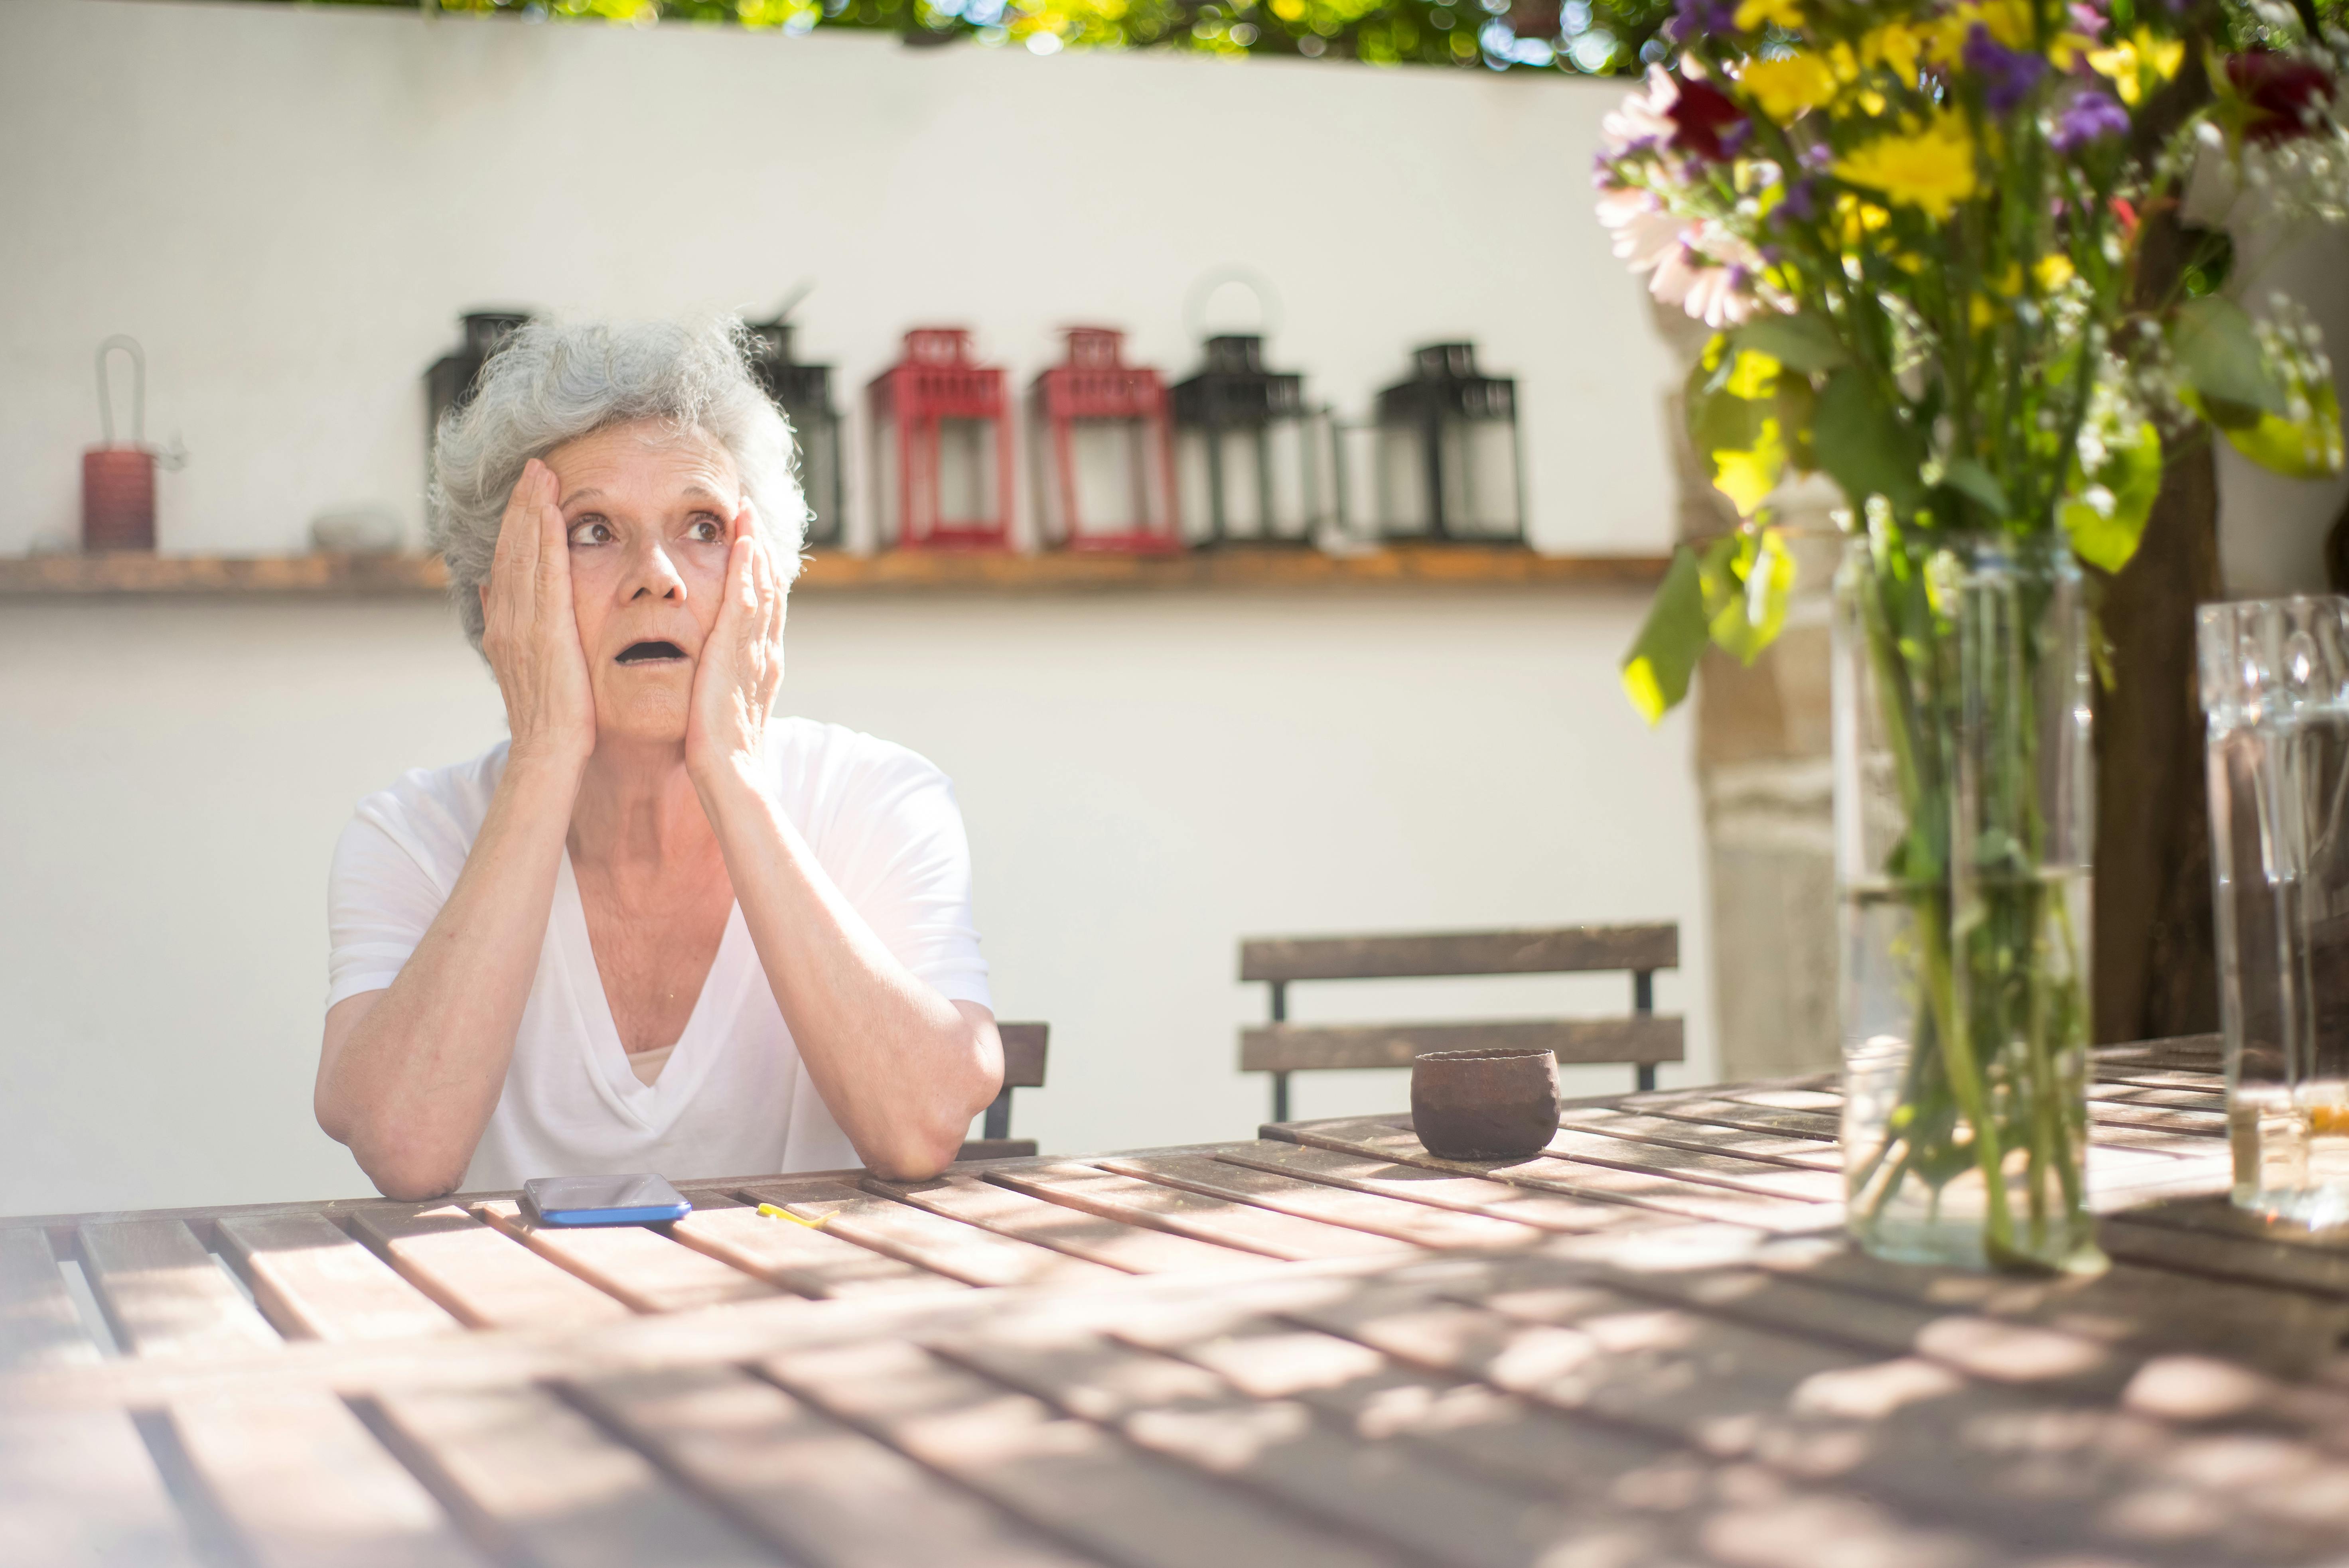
741, 667
531, 628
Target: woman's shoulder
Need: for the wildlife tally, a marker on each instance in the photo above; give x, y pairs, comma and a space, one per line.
828, 776
435, 811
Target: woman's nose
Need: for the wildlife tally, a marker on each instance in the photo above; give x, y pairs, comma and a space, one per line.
652, 575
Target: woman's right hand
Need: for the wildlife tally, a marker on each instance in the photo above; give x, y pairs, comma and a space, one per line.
531, 628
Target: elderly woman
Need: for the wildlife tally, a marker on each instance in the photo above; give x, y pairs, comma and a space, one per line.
656, 929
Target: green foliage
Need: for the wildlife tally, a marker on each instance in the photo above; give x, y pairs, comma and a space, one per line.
1594, 37
1864, 445
1656, 671
1747, 578
2106, 506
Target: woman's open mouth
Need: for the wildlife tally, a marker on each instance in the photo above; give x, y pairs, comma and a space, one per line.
650, 654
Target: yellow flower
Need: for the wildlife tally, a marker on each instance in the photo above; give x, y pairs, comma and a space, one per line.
1980, 312
2008, 21
1786, 88
1753, 14
2053, 271
2127, 62
1895, 46
2065, 48
2009, 283
1932, 171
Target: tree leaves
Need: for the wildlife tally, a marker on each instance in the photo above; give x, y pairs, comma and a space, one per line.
1864, 445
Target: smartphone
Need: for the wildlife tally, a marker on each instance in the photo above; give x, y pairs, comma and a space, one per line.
603, 1200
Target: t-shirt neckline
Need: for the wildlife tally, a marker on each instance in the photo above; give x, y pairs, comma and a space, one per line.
656, 1105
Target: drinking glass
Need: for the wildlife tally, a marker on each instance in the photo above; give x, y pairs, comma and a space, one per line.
2275, 693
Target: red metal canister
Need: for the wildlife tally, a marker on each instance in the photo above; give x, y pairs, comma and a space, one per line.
117, 482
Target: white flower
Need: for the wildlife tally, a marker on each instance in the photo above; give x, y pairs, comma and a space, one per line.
1644, 119
1644, 232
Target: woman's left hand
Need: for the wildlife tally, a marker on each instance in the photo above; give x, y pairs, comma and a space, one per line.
741, 665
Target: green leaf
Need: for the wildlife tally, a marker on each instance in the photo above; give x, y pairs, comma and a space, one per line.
1656, 671
2227, 377
1970, 479
1800, 342
2304, 449
1734, 421
2105, 512
1863, 445
1747, 578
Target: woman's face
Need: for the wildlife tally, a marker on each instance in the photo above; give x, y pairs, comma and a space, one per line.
650, 517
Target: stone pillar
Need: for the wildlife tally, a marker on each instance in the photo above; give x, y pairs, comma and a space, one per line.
1763, 767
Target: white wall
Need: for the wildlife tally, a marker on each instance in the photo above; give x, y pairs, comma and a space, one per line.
288, 207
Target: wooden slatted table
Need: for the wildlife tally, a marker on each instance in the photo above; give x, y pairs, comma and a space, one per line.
1647, 1346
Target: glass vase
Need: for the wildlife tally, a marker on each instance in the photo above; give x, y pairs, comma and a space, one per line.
1963, 796
2275, 691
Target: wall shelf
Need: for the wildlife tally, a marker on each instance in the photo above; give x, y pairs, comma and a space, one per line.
830, 572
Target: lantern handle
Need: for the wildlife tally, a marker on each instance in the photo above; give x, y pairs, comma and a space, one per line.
137, 390
800, 291
1269, 313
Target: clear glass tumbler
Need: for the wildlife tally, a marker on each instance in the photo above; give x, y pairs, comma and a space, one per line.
2276, 693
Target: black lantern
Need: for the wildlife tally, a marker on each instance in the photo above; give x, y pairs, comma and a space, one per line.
803, 392
449, 384
1447, 452
1252, 463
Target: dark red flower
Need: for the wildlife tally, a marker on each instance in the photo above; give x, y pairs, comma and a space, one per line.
1705, 123
2282, 94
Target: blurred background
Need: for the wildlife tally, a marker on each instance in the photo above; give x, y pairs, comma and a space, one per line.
290, 207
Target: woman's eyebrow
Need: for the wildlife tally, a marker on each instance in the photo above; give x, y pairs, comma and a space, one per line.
591, 493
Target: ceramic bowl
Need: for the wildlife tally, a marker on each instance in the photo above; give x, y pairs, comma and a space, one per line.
1485, 1105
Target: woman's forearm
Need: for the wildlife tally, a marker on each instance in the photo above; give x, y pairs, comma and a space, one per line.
901, 1069
409, 1082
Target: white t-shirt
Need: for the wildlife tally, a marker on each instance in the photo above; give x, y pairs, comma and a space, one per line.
734, 1098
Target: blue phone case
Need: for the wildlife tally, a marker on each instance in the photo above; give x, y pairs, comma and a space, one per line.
624, 1200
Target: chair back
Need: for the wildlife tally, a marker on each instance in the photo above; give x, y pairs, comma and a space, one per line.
1024, 1046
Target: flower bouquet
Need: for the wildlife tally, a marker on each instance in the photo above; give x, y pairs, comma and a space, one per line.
1945, 252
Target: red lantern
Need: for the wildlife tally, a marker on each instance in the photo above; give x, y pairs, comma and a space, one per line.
1104, 450
117, 482
941, 447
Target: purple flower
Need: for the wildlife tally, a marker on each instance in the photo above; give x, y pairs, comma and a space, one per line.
2090, 117
2007, 75
2085, 18
1801, 200
1694, 19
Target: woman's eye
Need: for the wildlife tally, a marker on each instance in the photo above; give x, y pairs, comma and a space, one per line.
591, 530
708, 530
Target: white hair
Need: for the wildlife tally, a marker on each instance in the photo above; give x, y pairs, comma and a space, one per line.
554, 382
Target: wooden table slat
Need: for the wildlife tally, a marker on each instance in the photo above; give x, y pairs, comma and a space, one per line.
818, 1488
1919, 1436
1188, 1213
313, 1282
486, 1278
1377, 1138
76, 1487
1132, 1249
38, 1325
803, 1259
164, 1294
1439, 1189
634, 1263
539, 1483
1066, 1476
1380, 1216
1279, 1448
929, 1240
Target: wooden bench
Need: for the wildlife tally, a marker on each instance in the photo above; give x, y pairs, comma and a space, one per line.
1642, 1039
1023, 1067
